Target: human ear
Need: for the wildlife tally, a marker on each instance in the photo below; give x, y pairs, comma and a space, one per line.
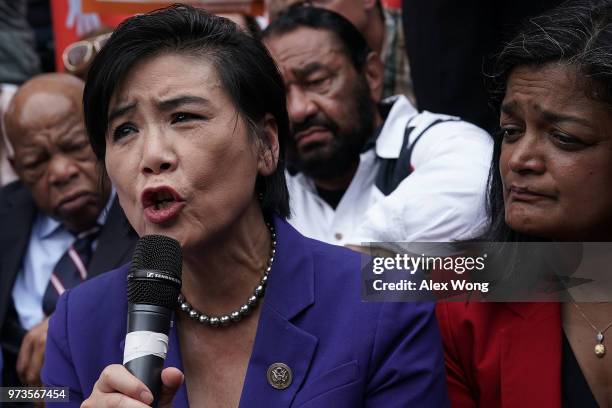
373, 71
269, 151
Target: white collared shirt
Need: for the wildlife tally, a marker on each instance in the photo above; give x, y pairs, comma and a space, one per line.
442, 199
48, 243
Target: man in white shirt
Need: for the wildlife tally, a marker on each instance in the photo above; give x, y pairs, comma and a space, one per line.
364, 171
60, 221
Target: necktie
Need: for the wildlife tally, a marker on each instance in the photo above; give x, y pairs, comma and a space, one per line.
71, 269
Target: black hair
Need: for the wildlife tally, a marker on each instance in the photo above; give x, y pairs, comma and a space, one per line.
252, 26
380, 9
577, 34
305, 15
246, 70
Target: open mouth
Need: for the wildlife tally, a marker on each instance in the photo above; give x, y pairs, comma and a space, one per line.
162, 200
160, 197
161, 204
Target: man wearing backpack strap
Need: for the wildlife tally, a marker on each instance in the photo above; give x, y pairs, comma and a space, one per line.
364, 170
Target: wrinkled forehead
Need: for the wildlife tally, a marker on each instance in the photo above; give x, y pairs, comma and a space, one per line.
304, 46
553, 85
163, 76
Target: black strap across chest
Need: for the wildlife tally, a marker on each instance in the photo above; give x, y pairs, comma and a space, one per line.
392, 171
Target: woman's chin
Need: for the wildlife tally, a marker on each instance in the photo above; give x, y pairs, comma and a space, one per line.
526, 228
155, 229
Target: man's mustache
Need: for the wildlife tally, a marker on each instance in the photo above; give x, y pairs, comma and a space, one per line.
312, 121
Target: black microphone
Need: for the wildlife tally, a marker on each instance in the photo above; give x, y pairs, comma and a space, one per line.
154, 284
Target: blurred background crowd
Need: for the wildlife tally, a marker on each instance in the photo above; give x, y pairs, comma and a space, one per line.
449, 44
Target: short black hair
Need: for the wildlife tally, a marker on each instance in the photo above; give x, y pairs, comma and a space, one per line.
305, 15
252, 26
246, 70
577, 34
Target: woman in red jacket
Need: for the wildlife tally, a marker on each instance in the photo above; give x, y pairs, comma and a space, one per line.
551, 180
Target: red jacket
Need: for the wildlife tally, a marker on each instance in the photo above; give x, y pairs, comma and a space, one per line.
502, 354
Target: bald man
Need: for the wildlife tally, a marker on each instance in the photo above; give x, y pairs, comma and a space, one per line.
60, 221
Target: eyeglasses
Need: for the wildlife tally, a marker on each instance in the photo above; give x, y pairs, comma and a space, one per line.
77, 56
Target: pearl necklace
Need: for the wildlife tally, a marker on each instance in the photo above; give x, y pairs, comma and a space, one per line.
242, 311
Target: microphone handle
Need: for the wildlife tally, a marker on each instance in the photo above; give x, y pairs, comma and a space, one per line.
148, 368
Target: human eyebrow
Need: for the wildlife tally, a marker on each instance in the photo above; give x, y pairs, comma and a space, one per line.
308, 70
552, 117
120, 111
173, 103
510, 108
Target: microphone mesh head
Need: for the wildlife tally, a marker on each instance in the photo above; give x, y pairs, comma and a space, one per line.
156, 253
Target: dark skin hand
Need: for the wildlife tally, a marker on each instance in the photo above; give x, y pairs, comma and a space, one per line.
31, 355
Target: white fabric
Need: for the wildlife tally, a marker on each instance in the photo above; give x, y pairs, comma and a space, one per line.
144, 343
442, 200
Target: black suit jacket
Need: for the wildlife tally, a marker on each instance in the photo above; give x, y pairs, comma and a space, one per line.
17, 213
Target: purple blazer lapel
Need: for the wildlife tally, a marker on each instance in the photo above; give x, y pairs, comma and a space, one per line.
290, 291
277, 341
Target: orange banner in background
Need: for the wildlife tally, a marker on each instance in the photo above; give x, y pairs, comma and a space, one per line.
252, 7
73, 19
71, 23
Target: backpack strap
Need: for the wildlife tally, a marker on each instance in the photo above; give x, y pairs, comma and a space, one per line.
393, 171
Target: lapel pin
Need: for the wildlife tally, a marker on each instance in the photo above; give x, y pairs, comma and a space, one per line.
279, 376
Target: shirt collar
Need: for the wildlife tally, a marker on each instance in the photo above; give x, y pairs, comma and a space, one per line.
389, 142
45, 226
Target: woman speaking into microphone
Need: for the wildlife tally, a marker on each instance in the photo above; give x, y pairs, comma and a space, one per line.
187, 113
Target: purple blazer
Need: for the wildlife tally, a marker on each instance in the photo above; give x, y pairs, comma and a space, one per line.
343, 352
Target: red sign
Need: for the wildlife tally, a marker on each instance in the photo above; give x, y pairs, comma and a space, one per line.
73, 19
252, 7
392, 4
71, 23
